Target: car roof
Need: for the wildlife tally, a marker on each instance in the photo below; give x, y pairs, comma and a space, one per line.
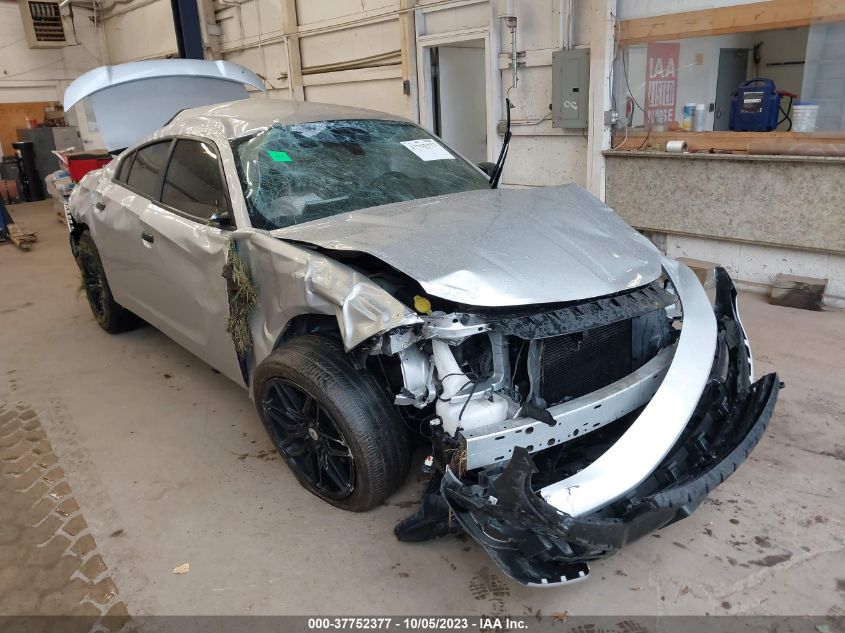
235, 119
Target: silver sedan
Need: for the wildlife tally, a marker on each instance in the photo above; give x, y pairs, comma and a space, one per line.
372, 290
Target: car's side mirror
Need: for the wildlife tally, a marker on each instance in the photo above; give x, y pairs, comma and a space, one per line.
487, 168
222, 219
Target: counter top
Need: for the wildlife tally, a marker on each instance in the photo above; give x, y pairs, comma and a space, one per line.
782, 158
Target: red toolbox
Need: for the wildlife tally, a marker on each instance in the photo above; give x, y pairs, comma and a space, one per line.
80, 163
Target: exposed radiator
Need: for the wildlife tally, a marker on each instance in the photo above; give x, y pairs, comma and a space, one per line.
576, 364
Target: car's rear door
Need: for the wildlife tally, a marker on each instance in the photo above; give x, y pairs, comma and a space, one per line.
116, 226
185, 252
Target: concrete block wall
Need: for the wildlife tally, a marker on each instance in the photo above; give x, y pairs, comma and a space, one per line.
754, 266
757, 216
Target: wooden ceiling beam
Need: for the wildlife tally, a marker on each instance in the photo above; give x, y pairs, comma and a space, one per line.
744, 18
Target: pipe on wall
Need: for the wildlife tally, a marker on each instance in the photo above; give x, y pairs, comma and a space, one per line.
566, 26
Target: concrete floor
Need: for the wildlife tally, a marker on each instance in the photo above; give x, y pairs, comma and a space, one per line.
170, 459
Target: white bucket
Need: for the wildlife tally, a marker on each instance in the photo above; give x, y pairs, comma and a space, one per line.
804, 117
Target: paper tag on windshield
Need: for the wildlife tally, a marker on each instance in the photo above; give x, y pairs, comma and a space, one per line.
428, 149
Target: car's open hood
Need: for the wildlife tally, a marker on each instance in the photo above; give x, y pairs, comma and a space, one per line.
502, 247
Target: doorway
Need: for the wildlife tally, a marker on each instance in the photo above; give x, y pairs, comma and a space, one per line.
457, 99
733, 66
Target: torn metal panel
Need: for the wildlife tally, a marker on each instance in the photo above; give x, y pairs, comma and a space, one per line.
633, 457
474, 247
584, 315
536, 541
535, 544
574, 418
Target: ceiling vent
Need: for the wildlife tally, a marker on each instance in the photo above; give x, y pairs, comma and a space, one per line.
43, 24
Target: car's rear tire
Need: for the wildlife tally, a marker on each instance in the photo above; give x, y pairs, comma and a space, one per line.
110, 315
331, 423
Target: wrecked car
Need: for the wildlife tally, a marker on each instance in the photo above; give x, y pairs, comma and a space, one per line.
369, 286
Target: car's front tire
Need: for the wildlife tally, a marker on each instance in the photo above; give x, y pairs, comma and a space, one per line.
109, 314
331, 423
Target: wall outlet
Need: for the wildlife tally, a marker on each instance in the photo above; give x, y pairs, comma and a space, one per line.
699, 59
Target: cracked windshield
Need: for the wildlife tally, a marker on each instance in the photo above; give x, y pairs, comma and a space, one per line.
298, 173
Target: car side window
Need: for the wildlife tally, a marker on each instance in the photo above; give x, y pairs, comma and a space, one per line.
123, 168
193, 183
145, 170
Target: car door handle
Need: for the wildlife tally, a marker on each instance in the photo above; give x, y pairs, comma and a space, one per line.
100, 206
148, 237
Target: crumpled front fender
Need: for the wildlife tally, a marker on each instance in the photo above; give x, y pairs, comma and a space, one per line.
294, 281
362, 308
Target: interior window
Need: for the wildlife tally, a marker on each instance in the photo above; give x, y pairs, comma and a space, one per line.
193, 183
148, 163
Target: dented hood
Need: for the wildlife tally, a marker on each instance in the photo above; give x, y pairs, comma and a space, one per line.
497, 247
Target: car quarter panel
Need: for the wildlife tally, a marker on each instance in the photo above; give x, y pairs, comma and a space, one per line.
111, 212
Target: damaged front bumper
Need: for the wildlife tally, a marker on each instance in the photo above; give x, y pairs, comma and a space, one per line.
656, 473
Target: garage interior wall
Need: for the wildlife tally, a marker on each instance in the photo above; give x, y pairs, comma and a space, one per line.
32, 79
41, 75
138, 29
363, 53
368, 53
692, 207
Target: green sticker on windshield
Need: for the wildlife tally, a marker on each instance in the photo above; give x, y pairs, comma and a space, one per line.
279, 157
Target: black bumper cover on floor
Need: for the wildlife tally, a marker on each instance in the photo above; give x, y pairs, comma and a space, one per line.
536, 544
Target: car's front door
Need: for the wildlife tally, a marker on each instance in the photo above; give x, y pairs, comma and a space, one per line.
185, 253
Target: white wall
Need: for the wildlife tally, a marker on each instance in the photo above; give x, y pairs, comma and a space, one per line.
314, 11
139, 29
350, 50
42, 74
781, 45
541, 155
755, 266
251, 36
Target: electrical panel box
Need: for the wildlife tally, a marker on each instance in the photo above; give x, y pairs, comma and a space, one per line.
43, 24
570, 87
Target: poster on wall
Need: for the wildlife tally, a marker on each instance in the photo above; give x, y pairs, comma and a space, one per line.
661, 87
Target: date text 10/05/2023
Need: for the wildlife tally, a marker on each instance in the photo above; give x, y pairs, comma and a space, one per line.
434, 623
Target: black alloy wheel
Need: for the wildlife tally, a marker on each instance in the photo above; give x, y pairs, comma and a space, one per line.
331, 422
93, 284
309, 439
109, 314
